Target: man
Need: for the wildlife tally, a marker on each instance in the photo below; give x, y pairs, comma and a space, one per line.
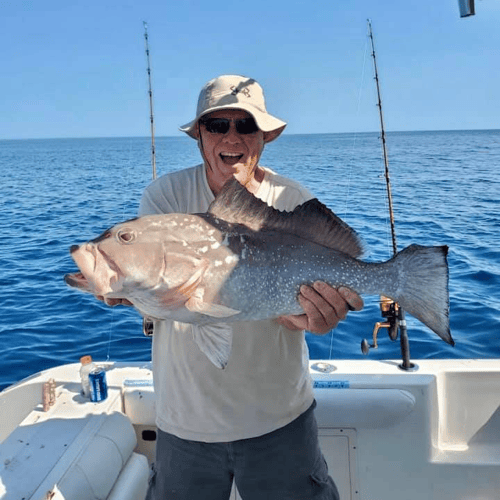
252, 421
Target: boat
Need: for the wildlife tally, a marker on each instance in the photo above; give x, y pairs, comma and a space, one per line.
431, 432
389, 430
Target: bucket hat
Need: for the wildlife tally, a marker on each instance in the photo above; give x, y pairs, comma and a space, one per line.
235, 92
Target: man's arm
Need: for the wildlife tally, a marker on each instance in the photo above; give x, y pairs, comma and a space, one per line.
324, 307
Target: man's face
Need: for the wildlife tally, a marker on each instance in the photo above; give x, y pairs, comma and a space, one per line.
233, 151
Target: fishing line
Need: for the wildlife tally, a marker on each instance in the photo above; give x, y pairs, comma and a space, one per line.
350, 160
111, 328
351, 157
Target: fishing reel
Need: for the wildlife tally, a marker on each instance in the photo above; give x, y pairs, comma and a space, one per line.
395, 320
147, 326
389, 310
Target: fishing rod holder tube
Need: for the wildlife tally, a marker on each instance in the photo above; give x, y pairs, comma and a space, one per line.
406, 364
323, 367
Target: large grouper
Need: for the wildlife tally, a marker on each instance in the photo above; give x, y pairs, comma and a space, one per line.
243, 260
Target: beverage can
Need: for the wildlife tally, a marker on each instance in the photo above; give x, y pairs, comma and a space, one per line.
98, 385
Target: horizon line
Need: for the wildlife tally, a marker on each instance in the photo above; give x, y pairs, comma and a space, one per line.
284, 134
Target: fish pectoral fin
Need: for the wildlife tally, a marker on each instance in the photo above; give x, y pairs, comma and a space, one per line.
196, 304
214, 341
177, 296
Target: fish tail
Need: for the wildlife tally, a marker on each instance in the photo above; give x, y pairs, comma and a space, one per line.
423, 290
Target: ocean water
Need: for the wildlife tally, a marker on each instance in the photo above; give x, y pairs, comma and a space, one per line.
55, 193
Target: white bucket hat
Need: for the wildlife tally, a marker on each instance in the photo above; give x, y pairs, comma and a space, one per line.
236, 92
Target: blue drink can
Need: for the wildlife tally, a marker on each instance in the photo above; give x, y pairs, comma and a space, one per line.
98, 385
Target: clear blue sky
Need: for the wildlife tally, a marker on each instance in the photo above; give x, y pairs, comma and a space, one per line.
72, 68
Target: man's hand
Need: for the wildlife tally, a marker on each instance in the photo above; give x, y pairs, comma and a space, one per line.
114, 302
324, 308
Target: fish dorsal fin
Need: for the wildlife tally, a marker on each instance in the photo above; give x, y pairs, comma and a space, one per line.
312, 220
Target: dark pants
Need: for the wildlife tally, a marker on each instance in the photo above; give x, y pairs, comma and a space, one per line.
286, 464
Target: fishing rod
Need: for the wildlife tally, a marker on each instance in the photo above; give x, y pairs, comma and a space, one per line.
151, 115
391, 310
147, 323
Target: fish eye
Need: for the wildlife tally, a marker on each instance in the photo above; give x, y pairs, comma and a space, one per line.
126, 236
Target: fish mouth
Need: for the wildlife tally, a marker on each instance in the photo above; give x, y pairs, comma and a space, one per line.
95, 272
78, 280
84, 258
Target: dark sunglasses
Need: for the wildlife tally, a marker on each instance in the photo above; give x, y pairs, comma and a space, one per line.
221, 125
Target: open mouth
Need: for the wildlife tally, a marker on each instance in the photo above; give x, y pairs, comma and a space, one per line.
98, 271
77, 280
230, 158
84, 257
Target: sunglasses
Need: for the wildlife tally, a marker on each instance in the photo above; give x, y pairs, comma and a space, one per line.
222, 125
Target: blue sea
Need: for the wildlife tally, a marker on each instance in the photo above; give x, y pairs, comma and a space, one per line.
55, 193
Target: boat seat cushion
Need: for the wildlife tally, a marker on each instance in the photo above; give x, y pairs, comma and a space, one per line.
71, 458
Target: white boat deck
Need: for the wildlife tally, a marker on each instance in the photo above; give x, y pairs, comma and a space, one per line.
432, 433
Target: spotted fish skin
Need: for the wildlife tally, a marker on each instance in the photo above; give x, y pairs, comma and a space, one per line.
416, 277
244, 260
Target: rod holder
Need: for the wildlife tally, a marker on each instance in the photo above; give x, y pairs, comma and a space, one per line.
406, 364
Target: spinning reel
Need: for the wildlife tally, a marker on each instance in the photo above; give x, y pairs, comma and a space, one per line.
394, 321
